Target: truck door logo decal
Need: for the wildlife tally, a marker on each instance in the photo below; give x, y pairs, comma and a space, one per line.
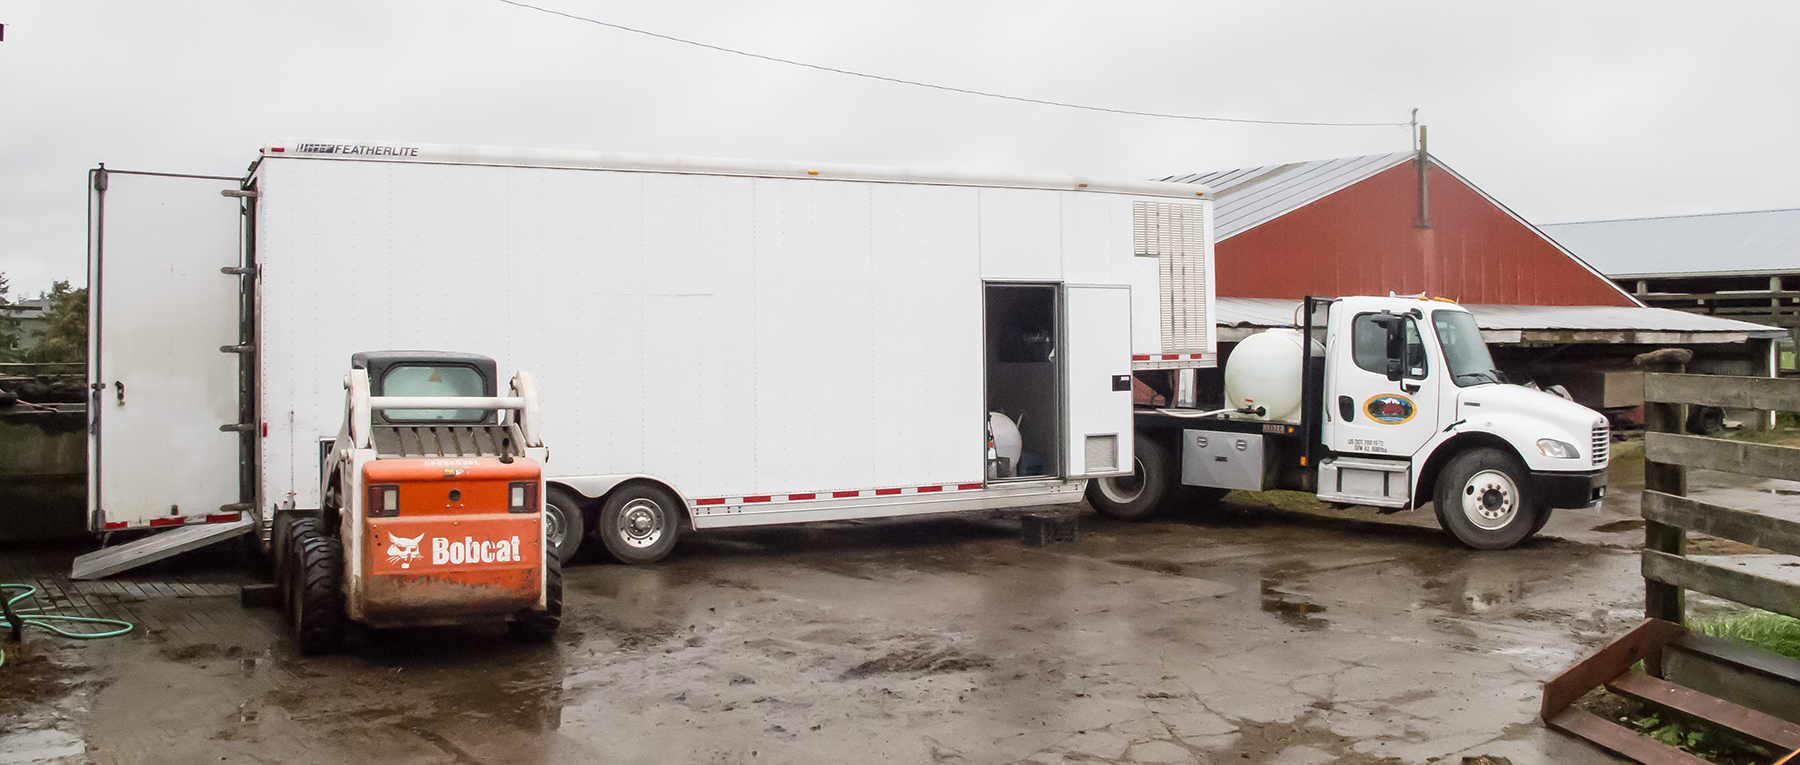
404, 551
1389, 409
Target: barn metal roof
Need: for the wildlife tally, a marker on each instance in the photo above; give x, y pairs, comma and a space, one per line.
1239, 317
1251, 196
1748, 243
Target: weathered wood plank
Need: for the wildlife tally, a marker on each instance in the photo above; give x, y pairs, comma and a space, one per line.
1751, 528
1724, 390
1762, 460
1662, 601
1773, 731
1748, 589
1619, 739
1641, 642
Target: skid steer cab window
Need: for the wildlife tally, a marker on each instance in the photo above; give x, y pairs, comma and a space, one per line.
1369, 347
432, 380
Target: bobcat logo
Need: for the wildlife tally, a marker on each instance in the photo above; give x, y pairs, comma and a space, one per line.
403, 551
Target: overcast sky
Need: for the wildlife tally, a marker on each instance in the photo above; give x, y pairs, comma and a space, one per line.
1563, 110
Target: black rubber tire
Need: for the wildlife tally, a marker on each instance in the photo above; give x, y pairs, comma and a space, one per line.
1153, 479
282, 552
1705, 420
540, 625
562, 509
634, 501
1519, 510
316, 598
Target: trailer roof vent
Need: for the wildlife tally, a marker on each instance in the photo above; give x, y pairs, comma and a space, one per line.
1175, 234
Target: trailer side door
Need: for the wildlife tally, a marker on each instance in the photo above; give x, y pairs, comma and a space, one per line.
159, 314
1097, 328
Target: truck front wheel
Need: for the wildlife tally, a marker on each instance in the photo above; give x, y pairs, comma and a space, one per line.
1482, 500
639, 523
1139, 495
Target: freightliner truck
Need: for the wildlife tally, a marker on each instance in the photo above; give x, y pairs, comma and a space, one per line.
1386, 402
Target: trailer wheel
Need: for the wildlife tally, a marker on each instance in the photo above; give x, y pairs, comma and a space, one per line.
540, 626
563, 526
1482, 500
1139, 495
316, 595
639, 523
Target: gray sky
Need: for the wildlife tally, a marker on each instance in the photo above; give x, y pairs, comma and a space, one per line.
1562, 110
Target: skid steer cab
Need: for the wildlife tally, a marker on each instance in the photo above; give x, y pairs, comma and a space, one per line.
432, 506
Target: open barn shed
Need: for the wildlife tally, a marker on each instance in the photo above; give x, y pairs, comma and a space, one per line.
1406, 223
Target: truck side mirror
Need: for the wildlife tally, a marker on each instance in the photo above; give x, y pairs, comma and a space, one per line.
1396, 344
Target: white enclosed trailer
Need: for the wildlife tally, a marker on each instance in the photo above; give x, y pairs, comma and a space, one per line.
718, 343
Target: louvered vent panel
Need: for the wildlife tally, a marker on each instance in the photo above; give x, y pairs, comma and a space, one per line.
1175, 235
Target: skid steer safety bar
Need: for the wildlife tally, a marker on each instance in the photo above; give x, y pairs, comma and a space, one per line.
521, 410
446, 402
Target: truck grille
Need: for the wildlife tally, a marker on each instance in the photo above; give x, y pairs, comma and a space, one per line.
1602, 440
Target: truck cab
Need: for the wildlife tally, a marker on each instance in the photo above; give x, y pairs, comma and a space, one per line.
1384, 402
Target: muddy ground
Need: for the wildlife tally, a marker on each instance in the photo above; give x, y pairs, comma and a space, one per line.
1271, 631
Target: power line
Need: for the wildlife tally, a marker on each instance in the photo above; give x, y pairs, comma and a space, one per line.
946, 88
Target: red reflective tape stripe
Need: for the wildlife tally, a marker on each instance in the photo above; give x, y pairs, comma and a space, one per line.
167, 521
801, 496
967, 486
115, 525
756, 499
885, 492
1171, 357
923, 489
1140, 358
716, 501
222, 518
1193, 355
841, 494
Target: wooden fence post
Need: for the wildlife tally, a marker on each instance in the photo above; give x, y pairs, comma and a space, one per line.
1661, 600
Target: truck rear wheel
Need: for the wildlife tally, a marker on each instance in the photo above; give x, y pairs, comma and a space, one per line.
315, 592
535, 625
639, 523
1482, 499
563, 526
1139, 495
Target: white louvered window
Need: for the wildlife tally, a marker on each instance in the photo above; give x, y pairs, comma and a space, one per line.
1175, 235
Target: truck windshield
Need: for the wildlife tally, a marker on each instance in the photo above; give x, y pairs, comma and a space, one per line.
433, 380
1465, 354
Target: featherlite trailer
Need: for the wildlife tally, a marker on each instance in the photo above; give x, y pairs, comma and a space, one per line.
717, 343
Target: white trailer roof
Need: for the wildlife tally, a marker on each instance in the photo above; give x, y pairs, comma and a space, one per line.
662, 163
1241, 317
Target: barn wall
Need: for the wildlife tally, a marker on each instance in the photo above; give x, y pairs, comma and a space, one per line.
1362, 241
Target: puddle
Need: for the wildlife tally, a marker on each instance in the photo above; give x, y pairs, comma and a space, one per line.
1291, 609
1631, 524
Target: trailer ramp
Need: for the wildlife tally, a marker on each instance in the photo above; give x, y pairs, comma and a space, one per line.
111, 560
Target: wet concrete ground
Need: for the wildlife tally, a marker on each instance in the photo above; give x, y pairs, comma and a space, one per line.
1254, 634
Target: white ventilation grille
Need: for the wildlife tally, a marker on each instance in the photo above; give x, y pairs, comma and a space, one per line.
1175, 234
1102, 454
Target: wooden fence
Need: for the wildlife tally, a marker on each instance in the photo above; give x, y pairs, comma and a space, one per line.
1669, 514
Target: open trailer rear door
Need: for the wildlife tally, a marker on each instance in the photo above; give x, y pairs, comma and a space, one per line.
167, 297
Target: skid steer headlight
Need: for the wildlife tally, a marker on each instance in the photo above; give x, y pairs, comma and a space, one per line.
1554, 448
521, 497
384, 501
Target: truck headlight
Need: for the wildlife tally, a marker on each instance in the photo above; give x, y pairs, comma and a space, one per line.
1554, 448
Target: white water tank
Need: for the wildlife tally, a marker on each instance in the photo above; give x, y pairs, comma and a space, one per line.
1266, 371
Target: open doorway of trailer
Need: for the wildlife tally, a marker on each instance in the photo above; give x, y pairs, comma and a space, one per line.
1024, 359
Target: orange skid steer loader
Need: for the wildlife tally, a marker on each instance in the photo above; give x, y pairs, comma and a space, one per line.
432, 506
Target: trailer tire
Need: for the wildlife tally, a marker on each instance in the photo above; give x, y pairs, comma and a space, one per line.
639, 523
540, 626
1140, 495
316, 595
563, 523
1483, 500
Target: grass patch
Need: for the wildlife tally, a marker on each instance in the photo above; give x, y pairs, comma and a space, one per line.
1771, 632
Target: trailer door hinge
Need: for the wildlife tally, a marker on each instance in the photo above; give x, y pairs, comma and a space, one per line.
237, 427
238, 271
245, 348
238, 193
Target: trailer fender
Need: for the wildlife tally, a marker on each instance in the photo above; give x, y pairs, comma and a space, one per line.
1426, 486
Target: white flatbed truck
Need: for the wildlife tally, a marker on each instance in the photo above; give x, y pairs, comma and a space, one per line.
720, 343
1385, 402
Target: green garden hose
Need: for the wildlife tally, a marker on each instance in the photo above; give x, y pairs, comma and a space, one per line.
20, 618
